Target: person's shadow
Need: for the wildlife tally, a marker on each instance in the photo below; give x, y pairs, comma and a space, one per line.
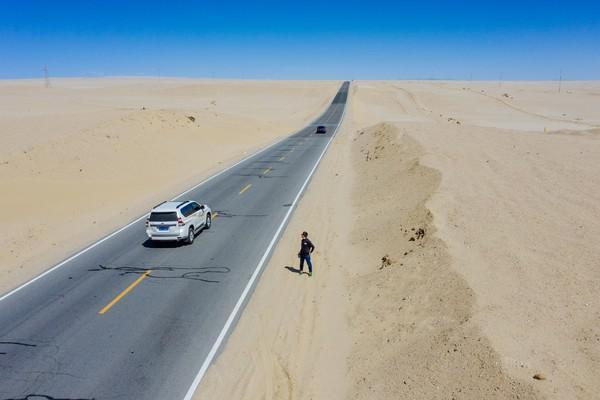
294, 270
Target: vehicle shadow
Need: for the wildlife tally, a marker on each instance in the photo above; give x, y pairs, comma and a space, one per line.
152, 244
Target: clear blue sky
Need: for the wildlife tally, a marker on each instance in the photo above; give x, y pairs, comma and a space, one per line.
302, 39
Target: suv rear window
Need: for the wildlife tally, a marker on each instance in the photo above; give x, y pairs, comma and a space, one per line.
163, 216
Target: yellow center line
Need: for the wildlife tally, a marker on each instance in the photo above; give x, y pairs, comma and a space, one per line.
245, 188
282, 158
267, 171
215, 215
124, 292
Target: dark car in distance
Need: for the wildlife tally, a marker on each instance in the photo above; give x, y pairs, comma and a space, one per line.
321, 129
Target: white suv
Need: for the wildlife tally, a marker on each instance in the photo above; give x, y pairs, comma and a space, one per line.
178, 220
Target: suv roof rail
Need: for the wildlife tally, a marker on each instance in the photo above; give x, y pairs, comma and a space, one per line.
160, 204
182, 203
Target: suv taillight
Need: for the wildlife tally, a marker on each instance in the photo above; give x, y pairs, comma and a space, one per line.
180, 222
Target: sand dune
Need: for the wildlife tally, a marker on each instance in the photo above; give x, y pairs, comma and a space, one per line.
85, 156
496, 298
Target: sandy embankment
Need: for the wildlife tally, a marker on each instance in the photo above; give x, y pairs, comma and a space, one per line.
86, 156
505, 182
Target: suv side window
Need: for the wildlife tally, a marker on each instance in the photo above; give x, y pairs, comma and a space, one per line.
196, 207
187, 210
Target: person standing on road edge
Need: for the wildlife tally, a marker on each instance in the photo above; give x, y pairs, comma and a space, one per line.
306, 247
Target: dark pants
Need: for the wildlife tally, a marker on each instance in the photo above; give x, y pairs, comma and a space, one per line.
307, 258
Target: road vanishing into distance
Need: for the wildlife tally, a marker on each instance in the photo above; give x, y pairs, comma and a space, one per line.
126, 319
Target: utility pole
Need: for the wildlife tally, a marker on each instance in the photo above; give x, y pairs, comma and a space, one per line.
46, 77
560, 81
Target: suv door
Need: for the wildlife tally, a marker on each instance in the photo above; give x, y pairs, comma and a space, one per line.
198, 214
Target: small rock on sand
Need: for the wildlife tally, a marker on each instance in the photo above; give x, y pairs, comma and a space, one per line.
386, 261
539, 377
420, 233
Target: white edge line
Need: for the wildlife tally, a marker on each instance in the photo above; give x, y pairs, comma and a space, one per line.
48, 271
240, 302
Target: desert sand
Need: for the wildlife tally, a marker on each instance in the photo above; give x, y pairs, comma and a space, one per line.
84, 157
456, 223
457, 227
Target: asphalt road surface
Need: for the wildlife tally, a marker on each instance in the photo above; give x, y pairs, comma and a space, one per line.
166, 309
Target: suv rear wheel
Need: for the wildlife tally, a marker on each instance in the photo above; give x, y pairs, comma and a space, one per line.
191, 235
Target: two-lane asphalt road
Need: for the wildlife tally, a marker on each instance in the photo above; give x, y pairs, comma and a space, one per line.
125, 319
